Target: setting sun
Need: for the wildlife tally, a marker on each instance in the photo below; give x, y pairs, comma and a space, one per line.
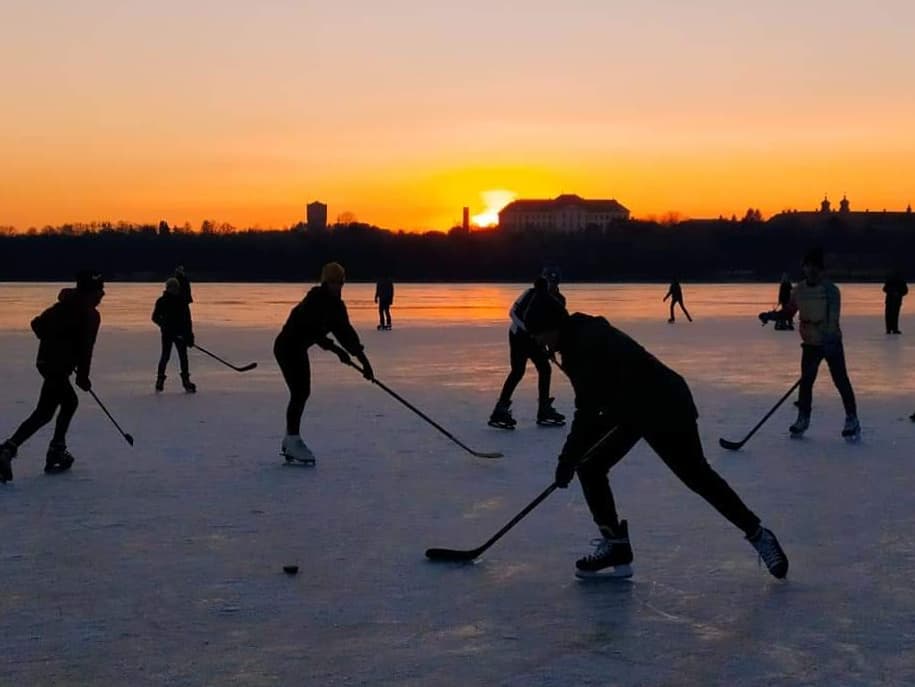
494, 202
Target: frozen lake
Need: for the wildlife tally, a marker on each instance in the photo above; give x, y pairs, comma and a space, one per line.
162, 564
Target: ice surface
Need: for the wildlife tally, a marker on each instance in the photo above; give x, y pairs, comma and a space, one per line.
163, 564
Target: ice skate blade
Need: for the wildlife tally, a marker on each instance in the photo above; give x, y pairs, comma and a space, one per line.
618, 572
500, 425
298, 462
551, 423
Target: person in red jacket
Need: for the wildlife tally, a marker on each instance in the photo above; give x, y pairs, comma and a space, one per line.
320, 313
67, 332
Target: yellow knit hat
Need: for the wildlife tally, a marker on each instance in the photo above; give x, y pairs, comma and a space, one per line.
333, 273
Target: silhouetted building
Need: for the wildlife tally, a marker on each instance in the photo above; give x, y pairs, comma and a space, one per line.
465, 220
844, 216
565, 213
316, 216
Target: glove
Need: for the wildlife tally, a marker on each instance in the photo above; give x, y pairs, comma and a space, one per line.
84, 383
343, 355
764, 317
367, 370
326, 344
189, 340
565, 472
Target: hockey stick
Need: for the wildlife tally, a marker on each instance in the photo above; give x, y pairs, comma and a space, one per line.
126, 436
437, 554
243, 368
736, 445
478, 454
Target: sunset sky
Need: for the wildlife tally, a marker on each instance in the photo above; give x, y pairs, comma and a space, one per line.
403, 111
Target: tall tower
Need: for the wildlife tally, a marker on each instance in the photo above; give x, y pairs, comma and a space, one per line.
465, 220
316, 216
844, 207
825, 206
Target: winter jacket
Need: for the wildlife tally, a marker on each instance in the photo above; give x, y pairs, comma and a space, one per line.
616, 381
895, 288
784, 293
819, 306
67, 332
675, 293
518, 311
384, 291
320, 313
172, 314
185, 287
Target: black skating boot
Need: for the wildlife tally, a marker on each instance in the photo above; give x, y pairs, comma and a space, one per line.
502, 416
160, 383
770, 551
548, 416
7, 453
612, 555
58, 459
189, 386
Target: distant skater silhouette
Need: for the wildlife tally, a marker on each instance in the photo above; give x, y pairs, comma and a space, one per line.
320, 313
185, 284
784, 297
818, 302
172, 314
675, 294
66, 332
384, 297
895, 289
523, 348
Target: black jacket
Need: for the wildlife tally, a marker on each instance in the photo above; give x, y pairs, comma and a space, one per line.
173, 316
185, 287
616, 381
384, 291
67, 331
784, 292
320, 313
895, 288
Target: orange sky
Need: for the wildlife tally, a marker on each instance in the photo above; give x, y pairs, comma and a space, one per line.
402, 113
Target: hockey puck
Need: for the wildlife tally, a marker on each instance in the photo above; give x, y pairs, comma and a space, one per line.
290, 569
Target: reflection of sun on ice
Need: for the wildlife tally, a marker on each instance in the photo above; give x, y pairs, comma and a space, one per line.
494, 201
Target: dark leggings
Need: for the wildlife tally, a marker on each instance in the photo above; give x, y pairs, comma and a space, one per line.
682, 307
384, 313
681, 451
810, 365
180, 346
297, 372
521, 349
891, 315
56, 391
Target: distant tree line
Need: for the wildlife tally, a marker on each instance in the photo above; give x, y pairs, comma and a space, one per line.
709, 250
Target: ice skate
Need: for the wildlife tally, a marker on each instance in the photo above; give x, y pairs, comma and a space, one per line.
58, 459
502, 416
188, 385
7, 453
770, 551
800, 425
671, 320
612, 556
160, 383
548, 416
295, 451
852, 429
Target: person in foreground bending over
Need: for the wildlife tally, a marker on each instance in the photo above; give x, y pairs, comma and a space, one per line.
67, 332
321, 312
619, 384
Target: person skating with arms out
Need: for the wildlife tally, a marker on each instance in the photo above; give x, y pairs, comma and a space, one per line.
67, 332
818, 303
320, 313
618, 384
523, 348
172, 314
